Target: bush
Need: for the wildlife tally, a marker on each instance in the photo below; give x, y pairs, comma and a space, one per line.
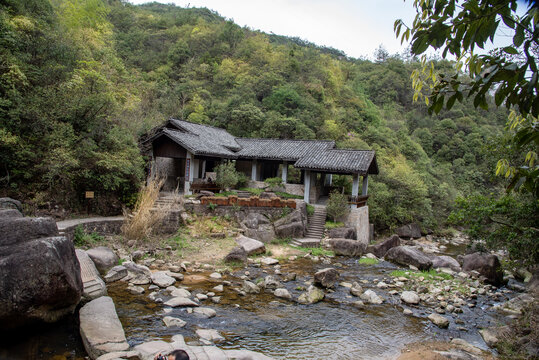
337, 206
310, 210
81, 238
274, 183
226, 175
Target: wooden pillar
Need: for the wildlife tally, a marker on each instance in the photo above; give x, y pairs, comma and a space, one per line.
203, 168
284, 173
253, 170
365, 186
355, 188
196, 168
307, 186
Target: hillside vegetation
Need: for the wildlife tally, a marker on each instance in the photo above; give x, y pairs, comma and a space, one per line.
80, 81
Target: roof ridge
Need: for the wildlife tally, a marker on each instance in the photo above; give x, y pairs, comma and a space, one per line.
181, 132
206, 125
350, 150
313, 140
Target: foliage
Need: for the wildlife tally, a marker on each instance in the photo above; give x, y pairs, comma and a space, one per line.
502, 223
317, 251
286, 195
81, 238
274, 182
511, 71
226, 175
253, 191
310, 209
212, 206
333, 224
337, 206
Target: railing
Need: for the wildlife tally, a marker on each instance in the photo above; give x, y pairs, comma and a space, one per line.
359, 200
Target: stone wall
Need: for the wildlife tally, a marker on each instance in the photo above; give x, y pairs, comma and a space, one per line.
232, 211
101, 227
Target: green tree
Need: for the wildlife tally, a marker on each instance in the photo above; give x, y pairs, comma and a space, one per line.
226, 175
459, 28
337, 206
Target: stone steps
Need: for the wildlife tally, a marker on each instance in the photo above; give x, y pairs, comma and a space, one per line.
317, 223
244, 194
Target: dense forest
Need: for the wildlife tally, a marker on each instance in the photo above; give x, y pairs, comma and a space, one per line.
81, 81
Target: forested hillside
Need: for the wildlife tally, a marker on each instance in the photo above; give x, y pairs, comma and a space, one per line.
80, 81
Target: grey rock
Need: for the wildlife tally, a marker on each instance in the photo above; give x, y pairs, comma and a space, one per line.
171, 321
439, 320
356, 289
100, 328
292, 230
161, 279
10, 213
410, 231
254, 220
135, 290
311, 296
269, 261
445, 261
205, 312
16, 230
270, 282
210, 335
103, 258
121, 355
347, 247
407, 255
381, 248
343, 233
116, 273
410, 297
282, 293
326, 277
175, 292
250, 288
9, 203
251, 246
180, 301
264, 233
486, 264
371, 297
95, 288
176, 275
40, 280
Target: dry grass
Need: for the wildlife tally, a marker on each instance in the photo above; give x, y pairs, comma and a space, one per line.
146, 216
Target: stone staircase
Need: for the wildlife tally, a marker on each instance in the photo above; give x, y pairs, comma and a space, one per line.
244, 194
169, 200
315, 228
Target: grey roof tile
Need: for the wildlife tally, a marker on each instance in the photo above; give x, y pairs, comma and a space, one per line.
279, 149
343, 161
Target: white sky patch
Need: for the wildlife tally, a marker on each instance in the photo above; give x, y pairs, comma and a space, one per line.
356, 27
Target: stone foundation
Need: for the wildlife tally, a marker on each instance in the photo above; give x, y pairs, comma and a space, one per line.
359, 219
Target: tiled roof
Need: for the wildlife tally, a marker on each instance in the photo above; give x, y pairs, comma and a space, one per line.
209, 134
198, 145
340, 161
278, 149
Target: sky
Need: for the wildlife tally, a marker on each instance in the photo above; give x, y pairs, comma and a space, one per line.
357, 27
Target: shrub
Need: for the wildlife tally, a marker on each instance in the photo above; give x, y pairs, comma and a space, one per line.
337, 206
274, 183
310, 210
333, 225
81, 238
226, 175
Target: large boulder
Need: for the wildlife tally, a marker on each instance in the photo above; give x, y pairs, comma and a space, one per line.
445, 261
410, 231
343, 233
486, 264
237, 254
381, 248
100, 329
292, 225
311, 296
254, 220
407, 255
9, 203
103, 258
346, 247
326, 277
264, 233
93, 285
10, 213
251, 246
40, 277
16, 230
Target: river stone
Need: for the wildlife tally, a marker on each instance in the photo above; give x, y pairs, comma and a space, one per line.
356, 289
264, 233
237, 254
250, 288
269, 261
135, 290
16, 230
116, 273
251, 246
282, 293
175, 275
180, 301
103, 258
161, 279
445, 261
346, 247
410, 297
270, 282
40, 280
100, 329
371, 297
218, 288
137, 274
380, 249
326, 277
149, 349
439, 320
210, 335
215, 276
173, 321
343, 233
121, 355
409, 231
407, 255
9, 203
311, 296
205, 312
486, 264
175, 292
